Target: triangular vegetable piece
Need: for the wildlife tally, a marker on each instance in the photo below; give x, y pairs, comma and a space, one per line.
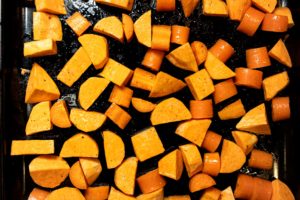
66, 193
232, 157
128, 27
281, 191
216, 68
237, 9
194, 130
280, 53
214, 8
156, 195
142, 29
142, 105
77, 177
56, 7
245, 140
166, 84
189, 6
91, 168
191, 158
255, 121
227, 194
183, 58
285, 11
110, 26
40, 86
115, 194
200, 182
232, 111
267, 6
169, 110
60, 115
274, 84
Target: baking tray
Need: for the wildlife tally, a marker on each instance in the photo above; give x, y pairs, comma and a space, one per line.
16, 27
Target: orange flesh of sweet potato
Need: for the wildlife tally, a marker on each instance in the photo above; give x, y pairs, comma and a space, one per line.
38, 194
192, 159
280, 53
151, 181
171, 165
281, 191
110, 26
142, 29
55, 6
117, 195
227, 194
285, 11
78, 23
265, 5
211, 194
232, 111
96, 193
161, 37
91, 168
189, 6
215, 8
127, 27
66, 193
178, 197
32, 147
45, 47
142, 105
77, 177
237, 8
114, 3
119, 116
200, 51
60, 115
157, 195
274, 84
245, 140
121, 96
201, 181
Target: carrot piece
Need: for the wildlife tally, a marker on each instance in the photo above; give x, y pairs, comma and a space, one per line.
121, 96
86, 121
227, 194
262, 189
77, 177
201, 181
257, 58
151, 181
211, 194
142, 79
142, 29
245, 140
211, 164
211, 141
189, 6
281, 191
191, 158
281, 109
46, 47
201, 109
96, 193
55, 7
248, 77
232, 111
285, 11
244, 187
237, 9
200, 51
59, 115
280, 53
251, 21
31, 147
265, 5
215, 8
38, 194
161, 36
110, 26
142, 105
153, 59
272, 85
66, 193
224, 90
165, 5
78, 23
127, 27
119, 116
260, 160
178, 197
275, 23
158, 194
180, 34
222, 50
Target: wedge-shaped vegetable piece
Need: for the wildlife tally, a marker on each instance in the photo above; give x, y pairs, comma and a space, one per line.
157, 195
116, 72
265, 5
97, 193
123, 4
232, 111
75, 67
201, 181
281, 191
227, 194
272, 85
87, 121
255, 121
121, 96
245, 140
96, 47
31, 147
211, 194
189, 6
215, 8
77, 177
216, 68
119, 116
147, 144
46, 47
142, 29
142, 79
178, 197
183, 58
40, 86
117, 195
166, 84
171, 165
46, 26
125, 175
200, 84
90, 90
191, 158
169, 110
194, 130
80, 145
39, 119
91, 168
200, 51
114, 149
78, 23
285, 11
237, 9
38, 194
60, 115
151, 181
48, 171
54, 6
232, 157
280, 53
127, 27
142, 105
110, 26
66, 193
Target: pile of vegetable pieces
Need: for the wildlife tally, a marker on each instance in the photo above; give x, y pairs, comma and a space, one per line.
50, 171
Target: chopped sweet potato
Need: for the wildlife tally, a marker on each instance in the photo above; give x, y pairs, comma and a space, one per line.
227, 194
119, 116
165, 5
97, 193
285, 11
125, 175
161, 36
281, 191
237, 8
39, 119
127, 27
147, 144
255, 121
123, 4
211, 141
38, 194
211, 164
48, 171
171, 165
75, 67
201, 181
91, 168
200, 51
280, 53
151, 181
78, 23
232, 157
59, 114
142, 79
31, 147
45, 47
211, 194
267, 6
178, 197
193, 130
121, 96
183, 58
272, 85
189, 6
66, 193
215, 8
110, 26
169, 110
77, 177
55, 6
40, 86
191, 158
153, 59
142, 105
224, 90
260, 160
245, 140
142, 29
80, 145
232, 111
202, 109
157, 195
117, 195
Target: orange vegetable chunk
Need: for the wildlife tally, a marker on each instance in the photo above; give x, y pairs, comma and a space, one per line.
201, 109
110, 26
38, 194
153, 59
281, 109
161, 36
237, 9
280, 53
78, 23
121, 96
142, 28
275, 23
127, 27
201, 181
248, 77
200, 51
60, 115
77, 177
245, 140
165, 5
281, 191
66, 193
257, 58
180, 34
251, 21
224, 90
189, 6
222, 50
211, 164
272, 85
119, 116
260, 160
96, 193
171, 165
211, 141
151, 181
191, 158
54, 6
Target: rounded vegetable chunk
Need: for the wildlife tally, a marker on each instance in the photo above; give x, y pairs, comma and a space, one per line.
60, 115
156, 195
97, 193
151, 181
245, 140
66, 193
117, 195
38, 194
192, 159
91, 168
128, 27
110, 26
281, 191
142, 105
77, 177
171, 165
142, 29
200, 182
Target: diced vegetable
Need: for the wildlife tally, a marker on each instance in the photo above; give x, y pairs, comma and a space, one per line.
121, 96
245, 140
200, 51
142, 79
211, 141
281, 191
161, 36
251, 21
275, 23
54, 6
180, 34
191, 158
232, 111
38, 194
189, 6
127, 27
77, 177
224, 90
244, 187
151, 181
237, 9
265, 5
66, 193
272, 85
211, 164
153, 59
142, 29
248, 78
78, 23
280, 53
227, 194
123, 4
91, 168
211, 194
260, 160
285, 11
117, 195
119, 116
46, 47
96, 193
281, 109
222, 50
59, 114
201, 181
201, 109
142, 105
165, 5
257, 58
157, 195
31, 147
178, 197
216, 8
110, 26
262, 189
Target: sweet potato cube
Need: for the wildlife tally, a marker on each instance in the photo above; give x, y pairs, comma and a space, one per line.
142, 105
267, 6
227, 194
123, 4
191, 158
121, 96
90, 90
201, 181
91, 168
119, 116
80, 145
116, 72
194, 130
54, 6
200, 84
60, 115
46, 47
169, 110
75, 67
46, 26
110, 26
232, 111
39, 119
215, 8
281, 191
237, 8
280, 53
158, 194
40, 86
97, 193
183, 58
142, 29
272, 85
151, 181
127, 27
31, 147
147, 144
117, 195
77, 177
255, 121
66, 193
285, 11
171, 165
38, 194
178, 197
189, 6
245, 140
142, 79
161, 37
211, 194
78, 23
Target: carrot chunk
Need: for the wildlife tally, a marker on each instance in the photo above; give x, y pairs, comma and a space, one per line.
275, 23
260, 160
222, 50
180, 34
165, 5
281, 109
201, 109
257, 58
248, 78
153, 59
251, 21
